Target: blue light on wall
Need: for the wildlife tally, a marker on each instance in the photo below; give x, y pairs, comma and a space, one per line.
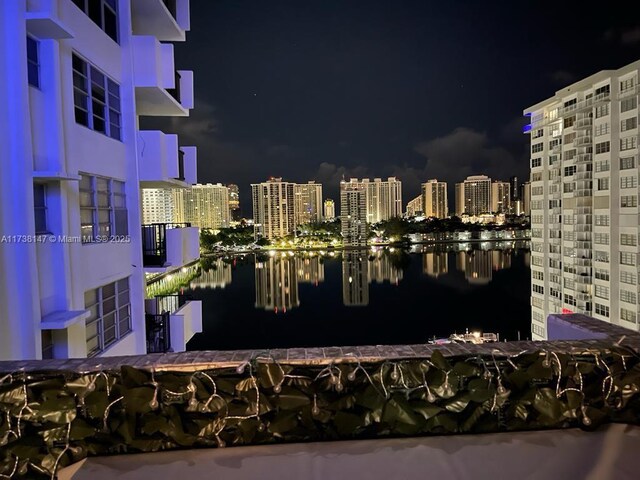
527, 128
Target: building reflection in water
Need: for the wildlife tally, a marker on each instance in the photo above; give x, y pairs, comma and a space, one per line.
478, 265
355, 278
435, 264
310, 270
276, 283
215, 274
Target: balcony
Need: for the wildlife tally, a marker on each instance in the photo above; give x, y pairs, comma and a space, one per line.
43, 20
489, 394
162, 164
167, 20
172, 320
160, 89
169, 245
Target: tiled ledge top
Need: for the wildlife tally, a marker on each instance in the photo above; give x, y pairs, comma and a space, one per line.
605, 335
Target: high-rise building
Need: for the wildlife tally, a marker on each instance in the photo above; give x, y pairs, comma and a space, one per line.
75, 80
353, 212
434, 198
235, 213
307, 203
383, 198
473, 196
584, 196
204, 205
329, 210
158, 205
414, 207
525, 198
273, 208
500, 197
515, 190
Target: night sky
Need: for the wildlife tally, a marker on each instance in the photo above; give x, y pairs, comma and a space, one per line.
314, 90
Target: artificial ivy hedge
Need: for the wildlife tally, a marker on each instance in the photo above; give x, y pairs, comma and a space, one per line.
51, 419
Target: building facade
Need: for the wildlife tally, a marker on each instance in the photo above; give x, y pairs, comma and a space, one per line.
584, 213
75, 80
500, 197
158, 205
235, 214
414, 207
329, 210
434, 198
307, 203
203, 205
353, 212
273, 208
473, 196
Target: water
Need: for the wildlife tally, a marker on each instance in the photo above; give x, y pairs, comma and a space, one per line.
363, 297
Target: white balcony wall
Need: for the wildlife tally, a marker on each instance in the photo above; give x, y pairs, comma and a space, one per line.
43, 20
158, 159
184, 324
151, 17
190, 164
183, 245
153, 62
186, 89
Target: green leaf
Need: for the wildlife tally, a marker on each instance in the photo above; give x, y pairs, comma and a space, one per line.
137, 399
283, 423
427, 410
398, 410
439, 361
472, 419
546, 403
270, 374
290, 399
464, 369
458, 403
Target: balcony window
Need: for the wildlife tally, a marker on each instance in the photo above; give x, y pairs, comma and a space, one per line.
628, 143
109, 315
628, 315
96, 99
629, 201
602, 310
628, 104
40, 207
103, 211
33, 62
104, 13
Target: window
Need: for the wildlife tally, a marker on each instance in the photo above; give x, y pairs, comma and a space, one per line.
628, 104
602, 166
602, 310
602, 292
103, 13
569, 284
600, 256
40, 207
627, 162
537, 204
628, 182
602, 129
538, 330
602, 110
536, 177
537, 261
628, 239
629, 297
602, 274
627, 84
627, 258
601, 238
569, 121
537, 288
570, 170
110, 315
628, 124
538, 147
603, 147
629, 201
603, 184
537, 302
536, 162
602, 220
537, 133
627, 315
96, 99
569, 299
103, 211
537, 317
628, 143
628, 278
537, 190
603, 91
47, 344
569, 138
33, 63
555, 143
536, 275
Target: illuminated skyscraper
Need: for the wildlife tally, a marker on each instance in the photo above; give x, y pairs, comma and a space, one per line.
273, 208
353, 212
414, 207
434, 199
204, 206
307, 202
158, 205
329, 209
473, 196
500, 197
234, 202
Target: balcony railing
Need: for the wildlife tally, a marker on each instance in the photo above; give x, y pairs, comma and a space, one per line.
170, 303
158, 332
154, 242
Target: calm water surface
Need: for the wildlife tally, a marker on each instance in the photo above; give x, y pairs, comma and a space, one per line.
364, 297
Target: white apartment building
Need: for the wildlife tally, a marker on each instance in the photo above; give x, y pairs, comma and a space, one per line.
500, 197
273, 208
473, 196
329, 209
307, 203
353, 212
414, 207
203, 205
434, 198
584, 200
158, 205
383, 198
75, 75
